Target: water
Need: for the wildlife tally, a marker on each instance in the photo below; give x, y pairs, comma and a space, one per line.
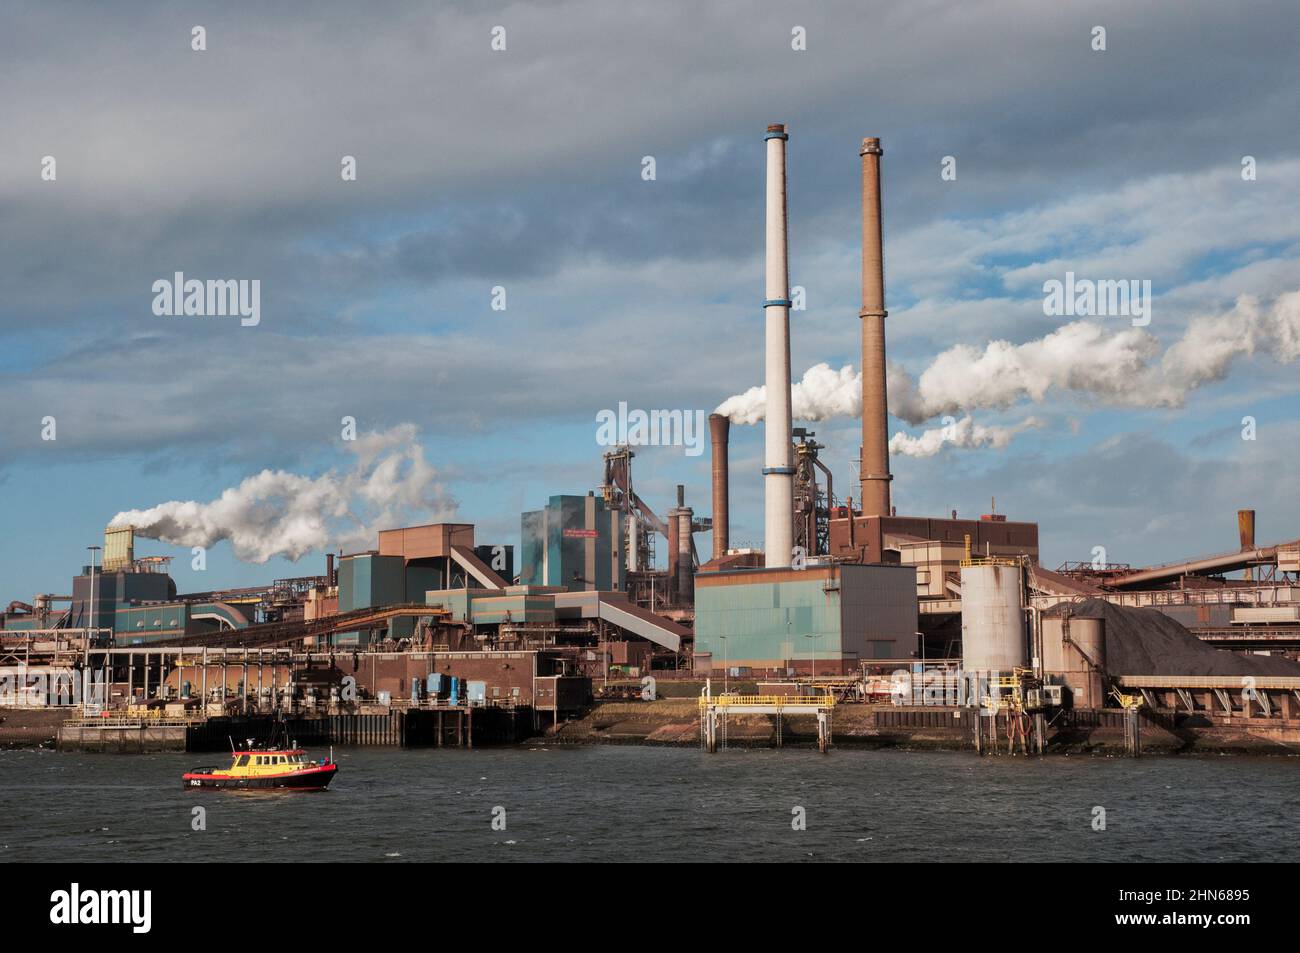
641, 803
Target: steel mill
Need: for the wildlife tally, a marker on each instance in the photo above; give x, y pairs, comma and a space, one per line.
851, 622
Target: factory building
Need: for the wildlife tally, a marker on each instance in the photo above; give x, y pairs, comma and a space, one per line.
142, 582
786, 621
411, 561
575, 543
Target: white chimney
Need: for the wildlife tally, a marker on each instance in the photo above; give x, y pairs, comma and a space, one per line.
778, 468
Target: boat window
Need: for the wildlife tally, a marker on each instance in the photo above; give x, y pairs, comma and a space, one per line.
243, 760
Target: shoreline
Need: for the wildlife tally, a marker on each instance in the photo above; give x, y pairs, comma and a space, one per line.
674, 722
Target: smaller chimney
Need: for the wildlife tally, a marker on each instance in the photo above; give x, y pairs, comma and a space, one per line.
329, 569
719, 431
685, 564
1246, 535
671, 581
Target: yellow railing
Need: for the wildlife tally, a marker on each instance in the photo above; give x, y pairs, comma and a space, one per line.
777, 701
123, 722
973, 560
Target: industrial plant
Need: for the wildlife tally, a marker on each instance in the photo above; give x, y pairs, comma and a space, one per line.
853, 623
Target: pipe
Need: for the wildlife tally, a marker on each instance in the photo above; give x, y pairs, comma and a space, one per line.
633, 541
719, 432
1246, 534
671, 582
778, 469
874, 462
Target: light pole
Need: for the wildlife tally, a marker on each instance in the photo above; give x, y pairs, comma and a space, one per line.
725, 671
94, 606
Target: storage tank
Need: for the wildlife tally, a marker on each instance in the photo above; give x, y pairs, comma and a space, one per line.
1077, 660
992, 618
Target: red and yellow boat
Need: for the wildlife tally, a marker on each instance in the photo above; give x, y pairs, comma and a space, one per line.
287, 769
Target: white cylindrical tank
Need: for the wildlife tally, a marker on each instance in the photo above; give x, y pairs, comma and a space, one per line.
992, 618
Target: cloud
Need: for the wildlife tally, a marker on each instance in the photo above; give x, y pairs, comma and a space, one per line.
275, 513
964, 434
1082, 359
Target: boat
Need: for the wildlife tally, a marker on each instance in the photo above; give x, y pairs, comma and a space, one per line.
285, 769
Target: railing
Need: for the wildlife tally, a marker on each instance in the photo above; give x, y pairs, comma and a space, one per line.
991, 561
125, 722
769, 701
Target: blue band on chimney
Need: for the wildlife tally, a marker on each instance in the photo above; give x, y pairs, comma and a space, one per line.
781, 471
777, 135
777, 303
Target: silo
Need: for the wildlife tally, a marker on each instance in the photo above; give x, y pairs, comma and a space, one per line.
1074, 651
992, 618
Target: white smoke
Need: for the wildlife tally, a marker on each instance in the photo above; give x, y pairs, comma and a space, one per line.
275, 513
1085, 358
964, 433
822, 394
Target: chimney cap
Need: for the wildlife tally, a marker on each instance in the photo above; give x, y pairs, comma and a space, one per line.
871, 146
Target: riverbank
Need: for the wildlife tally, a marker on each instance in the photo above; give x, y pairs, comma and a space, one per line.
675, 722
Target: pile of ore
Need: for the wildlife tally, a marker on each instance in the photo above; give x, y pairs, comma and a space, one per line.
1148, 642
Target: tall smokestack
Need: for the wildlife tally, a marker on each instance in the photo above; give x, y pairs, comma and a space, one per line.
719, 431
874, 464
778, 469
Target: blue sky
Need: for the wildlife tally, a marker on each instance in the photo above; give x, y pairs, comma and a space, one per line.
523, 169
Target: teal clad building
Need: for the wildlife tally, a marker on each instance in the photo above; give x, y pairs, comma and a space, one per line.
781, 621
574, 543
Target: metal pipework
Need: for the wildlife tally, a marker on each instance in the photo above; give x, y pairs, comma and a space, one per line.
778, 468
719, 434
874, 462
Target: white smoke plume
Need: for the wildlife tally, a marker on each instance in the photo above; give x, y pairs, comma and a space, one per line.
1086, 358
822, 394
275, 513
964, 433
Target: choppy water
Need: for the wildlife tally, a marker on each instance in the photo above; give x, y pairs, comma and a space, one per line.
640, 803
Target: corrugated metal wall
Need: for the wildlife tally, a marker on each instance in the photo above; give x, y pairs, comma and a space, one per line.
768, 623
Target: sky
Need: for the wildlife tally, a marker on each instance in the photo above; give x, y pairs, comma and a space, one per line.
523, 169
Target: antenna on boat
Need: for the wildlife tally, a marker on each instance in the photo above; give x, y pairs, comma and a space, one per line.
232, 743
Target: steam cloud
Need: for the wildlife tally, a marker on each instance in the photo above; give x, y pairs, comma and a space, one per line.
822, 394
275, 513
964, 433
1124, 368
